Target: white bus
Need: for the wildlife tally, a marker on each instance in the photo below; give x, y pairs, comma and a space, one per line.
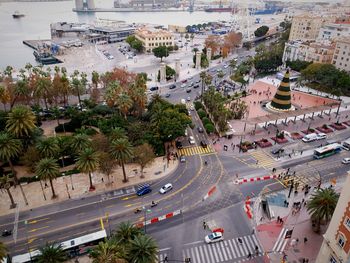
74, 247
346, 145
327, 150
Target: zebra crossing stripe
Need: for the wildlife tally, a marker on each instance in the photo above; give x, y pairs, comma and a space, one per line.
211, 254
224, 251
218, 251
257, 243
205, 252
228, 250
280, 241
215, 253
232, 249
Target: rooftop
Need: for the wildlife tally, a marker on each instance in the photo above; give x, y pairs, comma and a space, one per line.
150, 32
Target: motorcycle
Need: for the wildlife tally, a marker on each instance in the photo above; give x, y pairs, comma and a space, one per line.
154, 204
137, 210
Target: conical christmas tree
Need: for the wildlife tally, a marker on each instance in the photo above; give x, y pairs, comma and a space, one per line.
282, 99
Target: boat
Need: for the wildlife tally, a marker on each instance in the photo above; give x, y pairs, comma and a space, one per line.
219, 9
17, 14
45, 58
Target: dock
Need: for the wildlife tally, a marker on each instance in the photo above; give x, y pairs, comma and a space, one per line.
128, 10
34, 43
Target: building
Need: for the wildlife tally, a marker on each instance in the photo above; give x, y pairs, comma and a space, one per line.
307, 27
112, 34
308, 51
177, 29
152, 38
341, 55
333, 31
336, 241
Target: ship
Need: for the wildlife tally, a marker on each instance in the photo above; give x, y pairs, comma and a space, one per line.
45, 58
270, 9
219, 9
17, 14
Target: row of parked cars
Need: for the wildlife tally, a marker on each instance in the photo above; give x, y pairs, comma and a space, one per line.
146, 188
107, 54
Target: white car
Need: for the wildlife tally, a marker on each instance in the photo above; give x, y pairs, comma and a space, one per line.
188, 98
183, 85
346, 161
226, 66
192, 108
166, 188
214, 237
321, 136
191, 140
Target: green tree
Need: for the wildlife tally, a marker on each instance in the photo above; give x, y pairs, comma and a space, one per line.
48, 169
144, 155
261, 31
95, 78
87, 162
121, 150
322, 205
233, 64
124, 103
107, 252
9, 148
20, 121
48, 147
209, 127
126, 232
51, 253
161, 52
6, 183
80, 142
106, 164
143, 249
3, 250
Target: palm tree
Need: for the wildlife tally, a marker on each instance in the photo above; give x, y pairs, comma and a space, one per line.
121, 150
48, 147
3, 250
80, 142
20, 121
126, 232
51, 253
142, 249
9, 148
4, 96
107, 252
95, 78
6, 183
48, 169
124, 103
87, 162
117, 133
322, 205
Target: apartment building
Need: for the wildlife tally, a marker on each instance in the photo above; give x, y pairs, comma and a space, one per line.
152, 38
308, 51
341, 57
333, 31
336, 241
306, 27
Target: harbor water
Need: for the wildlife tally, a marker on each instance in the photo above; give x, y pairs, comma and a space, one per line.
38, 16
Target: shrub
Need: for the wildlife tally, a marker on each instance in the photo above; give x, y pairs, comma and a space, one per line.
205, 120
198, 105
201, 113
102, 110
209, 127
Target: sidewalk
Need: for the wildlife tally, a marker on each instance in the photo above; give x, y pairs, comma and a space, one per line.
77, 185
272, 233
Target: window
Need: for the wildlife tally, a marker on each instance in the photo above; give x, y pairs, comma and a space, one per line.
332, 260
347, 222
341, 241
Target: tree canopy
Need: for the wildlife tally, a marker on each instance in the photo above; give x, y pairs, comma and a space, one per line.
161, 52
261, 31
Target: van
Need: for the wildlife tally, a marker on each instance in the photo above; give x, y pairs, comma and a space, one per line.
310, 137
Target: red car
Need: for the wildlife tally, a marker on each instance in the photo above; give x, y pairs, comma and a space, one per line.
184, 81
218, 230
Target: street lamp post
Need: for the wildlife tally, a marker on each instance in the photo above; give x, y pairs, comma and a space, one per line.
42, 188
145, 210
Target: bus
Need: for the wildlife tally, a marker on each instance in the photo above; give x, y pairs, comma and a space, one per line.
327, 150
74, 247
346, 145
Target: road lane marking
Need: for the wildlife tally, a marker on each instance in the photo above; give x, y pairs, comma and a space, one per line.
128, 205
192, 243
128, 197
38, 220
31, 240
36, 229
164, 249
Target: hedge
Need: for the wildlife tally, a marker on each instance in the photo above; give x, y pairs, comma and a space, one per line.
201, 114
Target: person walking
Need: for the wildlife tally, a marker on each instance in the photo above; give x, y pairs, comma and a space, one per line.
249, 255
305, 240
240, 241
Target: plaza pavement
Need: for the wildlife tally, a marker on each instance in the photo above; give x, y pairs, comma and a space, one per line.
271, 233
63, 185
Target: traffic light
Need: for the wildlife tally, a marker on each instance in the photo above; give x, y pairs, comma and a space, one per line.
187, 260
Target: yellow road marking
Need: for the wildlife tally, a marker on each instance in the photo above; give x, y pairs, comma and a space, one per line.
128, 205
31, 240
38, 220
36, 229
280, 182
129, 197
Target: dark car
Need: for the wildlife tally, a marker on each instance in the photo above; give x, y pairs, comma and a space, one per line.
153, 88
184, 81
277, 151
178, 145
188, 90
204, 144
200, 129
172, 86
196, 86
6, 233
143, 189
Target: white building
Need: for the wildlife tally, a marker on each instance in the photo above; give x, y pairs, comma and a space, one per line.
330, 32
341, 57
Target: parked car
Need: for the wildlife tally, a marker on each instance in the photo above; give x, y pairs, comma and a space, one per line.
143, 189
183, 86
214, 237
196, 86
178, 144
184, 81
188, 98
167, 95
321, 136
172, 86
182, 159
188, 90
166, 188
153, 88
191, 140
310, 137
192, 108
200, 129
277, 151
346, 161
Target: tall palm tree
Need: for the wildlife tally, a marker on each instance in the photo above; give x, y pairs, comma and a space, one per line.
143, 249
80, 142
322, 205
3, 250
107, 252
51, 253
117, 133
9, 148
48, 169
6, 183
95, 78
87, 162
20, 121
121, 150
4, 96
124, 103
126, 232
48, 147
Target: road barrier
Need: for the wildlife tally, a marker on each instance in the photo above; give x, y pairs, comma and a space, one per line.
210, 192
255, 179
248, 208
158, 219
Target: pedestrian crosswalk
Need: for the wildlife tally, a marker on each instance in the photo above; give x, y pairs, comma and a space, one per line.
281, 241
224, 251
263, 159
306, 177
161, 257
195, 150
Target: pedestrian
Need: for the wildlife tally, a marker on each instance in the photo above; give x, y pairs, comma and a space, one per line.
102, 179
301, 152
204, 225
297, 241
278, 219
257, 161
305, 240
165, 259
240, 241
249, 255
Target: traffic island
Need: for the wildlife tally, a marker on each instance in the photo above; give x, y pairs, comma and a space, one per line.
338, 126
263, 143
296, 136
324, 128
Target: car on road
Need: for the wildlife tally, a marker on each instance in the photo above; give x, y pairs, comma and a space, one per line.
196, 86
183, 86
184, 81
204, 144
198, 81
191, 84
192, 108
214, 237
346, 161
6, 233
191, 140
178, 144
143, 189
188, 90
165, 188
310, 137
200, 129
172, 86
167, 95
182, 159
321, 136
153, 88
188, 98
277, 151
